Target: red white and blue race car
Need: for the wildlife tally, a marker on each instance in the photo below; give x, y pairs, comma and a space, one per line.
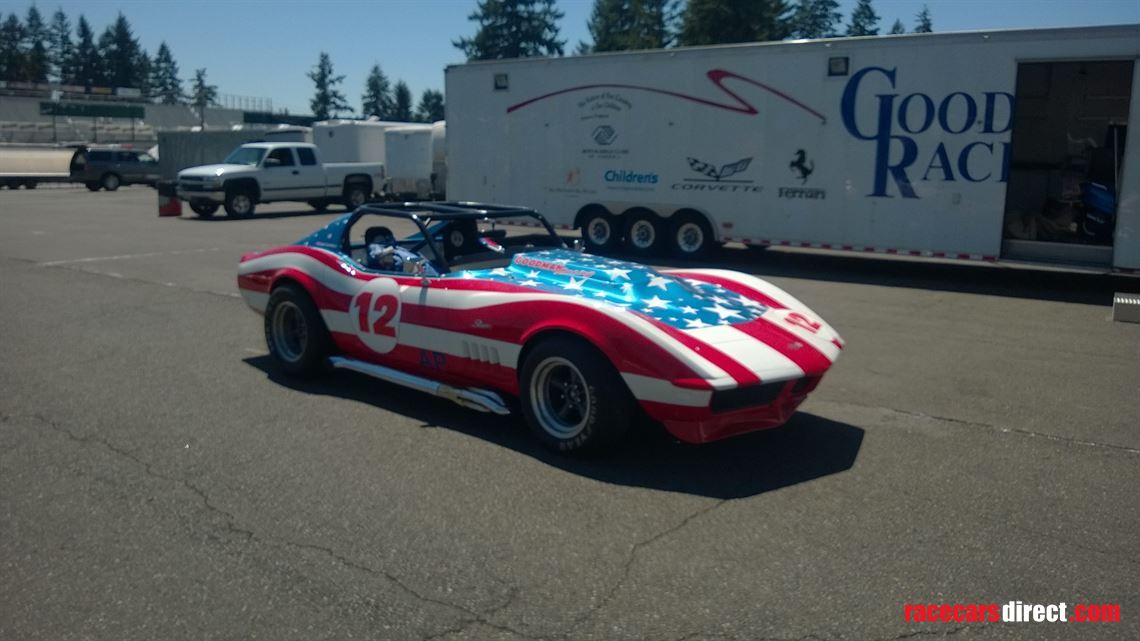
473, 309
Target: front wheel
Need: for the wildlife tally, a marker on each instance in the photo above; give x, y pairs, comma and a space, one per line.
573, 399
319, 206
298, 340
239, 203
205, 210
93, 186
355, 195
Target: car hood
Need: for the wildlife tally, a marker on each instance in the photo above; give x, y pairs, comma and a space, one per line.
213, 171
673, 300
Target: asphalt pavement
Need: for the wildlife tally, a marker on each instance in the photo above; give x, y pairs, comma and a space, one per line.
978, 442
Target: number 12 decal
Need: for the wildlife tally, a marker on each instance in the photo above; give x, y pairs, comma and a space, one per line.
376, 314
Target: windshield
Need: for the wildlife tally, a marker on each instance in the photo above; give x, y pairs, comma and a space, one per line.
245, 156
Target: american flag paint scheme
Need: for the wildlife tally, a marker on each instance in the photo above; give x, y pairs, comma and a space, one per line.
708, 353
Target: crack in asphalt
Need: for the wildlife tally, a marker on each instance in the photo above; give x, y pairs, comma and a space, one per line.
472, 617
994, 428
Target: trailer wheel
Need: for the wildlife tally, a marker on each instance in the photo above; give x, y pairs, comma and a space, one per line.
601, 233
30, 184
93, 186
691, 235
645, 232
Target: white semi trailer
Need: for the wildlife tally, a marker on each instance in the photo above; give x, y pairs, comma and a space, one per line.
981, 145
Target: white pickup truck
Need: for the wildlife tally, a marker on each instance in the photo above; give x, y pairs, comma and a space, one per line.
264, 172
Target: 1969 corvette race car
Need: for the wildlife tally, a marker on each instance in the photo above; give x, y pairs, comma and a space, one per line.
473, 309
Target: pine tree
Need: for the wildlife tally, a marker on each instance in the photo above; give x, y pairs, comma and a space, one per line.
924, 24
62, 50
104, 45
86, 64
145, 67
11, 48
816, 19
706, 22
430, 108
513, 29
37, 62
864, 20
328, 101
164, 82
202, 94
121, 55
377, 98
897, 28
620, 25
402, 107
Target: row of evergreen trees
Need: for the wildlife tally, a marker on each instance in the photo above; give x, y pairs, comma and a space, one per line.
520, 28
380, 99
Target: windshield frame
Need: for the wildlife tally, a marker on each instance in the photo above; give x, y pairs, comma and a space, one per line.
236, 156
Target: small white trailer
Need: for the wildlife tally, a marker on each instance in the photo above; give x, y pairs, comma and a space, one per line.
981, 145
408, 161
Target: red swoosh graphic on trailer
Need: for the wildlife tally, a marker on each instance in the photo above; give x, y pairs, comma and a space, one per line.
717, 76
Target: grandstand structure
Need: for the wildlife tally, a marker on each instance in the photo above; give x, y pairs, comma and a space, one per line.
43, 114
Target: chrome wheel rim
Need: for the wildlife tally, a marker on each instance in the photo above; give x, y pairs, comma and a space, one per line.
598, 231
559, 398
690, 237
290, 332
642, 234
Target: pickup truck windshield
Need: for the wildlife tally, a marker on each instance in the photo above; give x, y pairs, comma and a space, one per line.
245, 156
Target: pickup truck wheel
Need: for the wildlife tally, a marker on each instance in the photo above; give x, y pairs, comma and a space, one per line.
573, 399
110, 182
239, 203
298, 340
93, 186
205, 210
355, 195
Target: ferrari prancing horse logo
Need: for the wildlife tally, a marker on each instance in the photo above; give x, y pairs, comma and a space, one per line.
375, 314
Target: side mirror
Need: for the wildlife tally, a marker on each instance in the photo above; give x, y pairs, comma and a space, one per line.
272, 162
577, 245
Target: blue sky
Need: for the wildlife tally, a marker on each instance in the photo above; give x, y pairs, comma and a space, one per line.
264, 48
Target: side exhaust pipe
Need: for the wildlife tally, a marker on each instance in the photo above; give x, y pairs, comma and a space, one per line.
469, 397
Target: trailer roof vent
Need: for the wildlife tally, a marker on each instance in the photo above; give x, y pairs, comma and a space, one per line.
1126, 308
838, 66
502, 82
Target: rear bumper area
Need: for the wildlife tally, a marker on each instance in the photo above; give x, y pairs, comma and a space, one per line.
734, 412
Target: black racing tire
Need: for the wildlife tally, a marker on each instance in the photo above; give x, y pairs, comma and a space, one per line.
355, 195
319, 206
572, 397
93, 185
298, 340
30, 184
110, 181
601, 232
239, 203
645, 232
204, 210
690, 236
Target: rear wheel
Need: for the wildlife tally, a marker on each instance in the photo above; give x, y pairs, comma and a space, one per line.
298, 340
205, 210
355, 195
110, 182
239, 203
691, 235
319, 205
601, 233
93, 186
644, 232
572, 397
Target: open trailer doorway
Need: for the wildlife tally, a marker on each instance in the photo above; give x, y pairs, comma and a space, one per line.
1069, 128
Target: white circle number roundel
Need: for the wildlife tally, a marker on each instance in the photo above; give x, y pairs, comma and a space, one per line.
375, 314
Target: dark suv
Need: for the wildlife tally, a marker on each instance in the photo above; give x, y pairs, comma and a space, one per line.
109, 168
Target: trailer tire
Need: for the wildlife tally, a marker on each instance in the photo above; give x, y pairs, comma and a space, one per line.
30, 184
690, 235
601, 232
645, 232
92, 185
